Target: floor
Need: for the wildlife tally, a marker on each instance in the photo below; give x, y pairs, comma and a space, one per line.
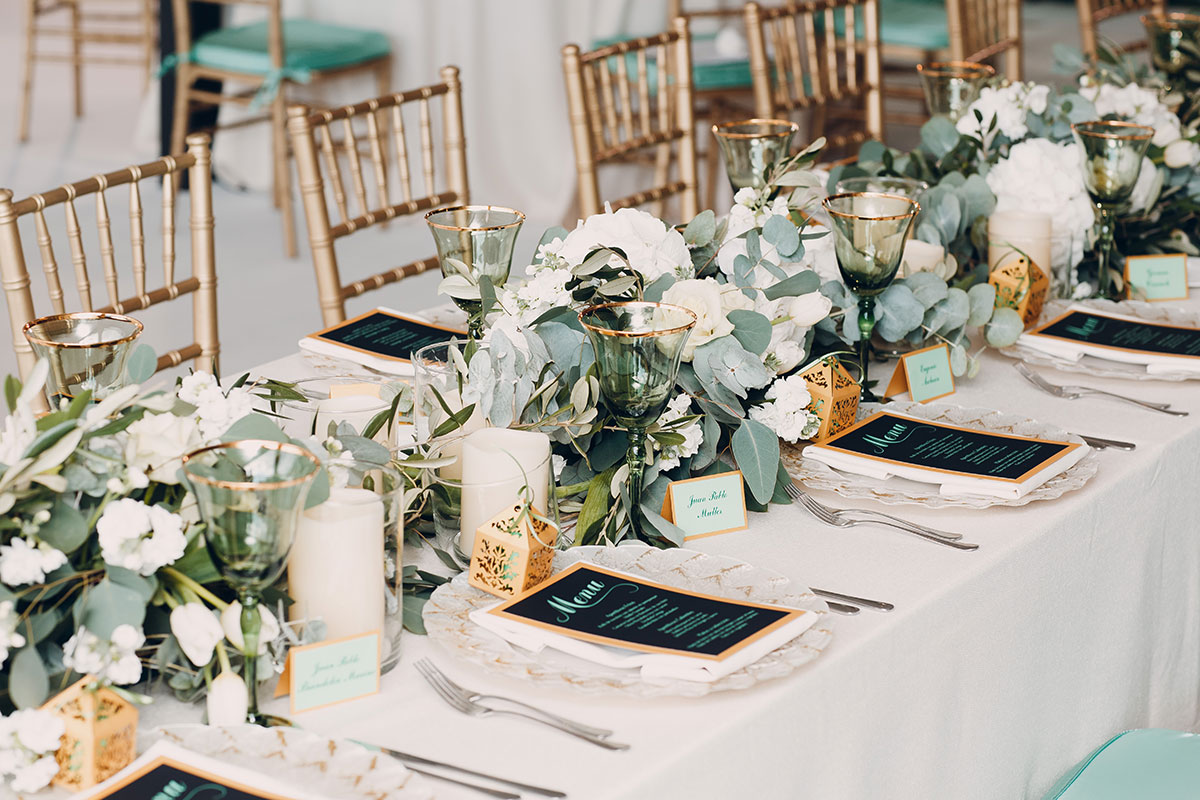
267, 301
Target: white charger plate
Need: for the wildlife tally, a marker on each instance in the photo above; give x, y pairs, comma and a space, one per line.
447, 622
899, 491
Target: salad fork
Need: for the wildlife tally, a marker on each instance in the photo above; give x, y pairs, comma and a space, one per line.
842, 519
793, 491
1069, 392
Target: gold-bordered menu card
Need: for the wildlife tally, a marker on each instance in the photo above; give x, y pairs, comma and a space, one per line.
380, 338
167, 771
1116, 337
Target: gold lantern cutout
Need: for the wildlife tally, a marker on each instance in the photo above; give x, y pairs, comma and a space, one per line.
514, 551
101, 734
1022, 285
834, 396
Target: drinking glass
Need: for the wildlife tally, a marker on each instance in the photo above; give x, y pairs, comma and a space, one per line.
638, 346
882, 184
1111, 152
480, 239
1174, 46
250, 494
869, 231
749, 146
86, 352
951, 86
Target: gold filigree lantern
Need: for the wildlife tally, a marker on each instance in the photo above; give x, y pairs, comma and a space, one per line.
1022, 285
101, 734
514, 551
834, 395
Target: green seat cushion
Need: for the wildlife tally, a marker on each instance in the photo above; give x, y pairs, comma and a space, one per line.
1154, 764
914, 23
709, 70
307, 44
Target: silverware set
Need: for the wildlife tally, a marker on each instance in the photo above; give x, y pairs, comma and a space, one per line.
848, 604
1070, 392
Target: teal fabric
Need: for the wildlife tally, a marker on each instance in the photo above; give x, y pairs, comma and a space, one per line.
1150, 764
719, 73
308, 45
914, 23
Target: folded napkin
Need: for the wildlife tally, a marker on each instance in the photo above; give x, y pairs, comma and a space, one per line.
652, 665
1193, 268
388, 365
1068, 350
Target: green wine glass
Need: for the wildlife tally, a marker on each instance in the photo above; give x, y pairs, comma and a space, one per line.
86, 351
1112, 153
869, 230
749, 146
1175, 48
479, 240
951, 86
638, 346
250, 494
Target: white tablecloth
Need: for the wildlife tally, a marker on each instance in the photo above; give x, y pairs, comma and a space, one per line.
998, 669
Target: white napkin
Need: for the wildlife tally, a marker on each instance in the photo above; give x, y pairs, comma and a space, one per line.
1193, 267
1073, 351
390, 366
652, 665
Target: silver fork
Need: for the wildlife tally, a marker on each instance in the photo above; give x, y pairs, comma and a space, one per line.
793, 491
840, 519
427, 668
1070, 392
474, 709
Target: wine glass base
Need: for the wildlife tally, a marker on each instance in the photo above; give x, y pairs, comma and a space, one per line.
268, 720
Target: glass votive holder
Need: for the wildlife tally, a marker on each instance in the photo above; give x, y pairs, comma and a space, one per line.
748, 146
951, 86
912, 188
1015, 233
86, 351
355, 400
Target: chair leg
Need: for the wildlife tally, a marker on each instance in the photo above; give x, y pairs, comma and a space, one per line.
27, 74
282, 176
77, 51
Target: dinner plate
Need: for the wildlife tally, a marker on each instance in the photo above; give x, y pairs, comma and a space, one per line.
898, 491
448, 623
1162, 312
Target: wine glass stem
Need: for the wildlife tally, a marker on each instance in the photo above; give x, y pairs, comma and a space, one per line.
1104, 251
475, 327
635, 457
251, 620
866, 326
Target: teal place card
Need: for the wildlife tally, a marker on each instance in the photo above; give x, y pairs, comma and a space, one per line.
707, 505
325, 673
926, 374
1158, 277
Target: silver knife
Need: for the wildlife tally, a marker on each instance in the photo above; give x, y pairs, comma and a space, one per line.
429, 762
1103, 444
878, 605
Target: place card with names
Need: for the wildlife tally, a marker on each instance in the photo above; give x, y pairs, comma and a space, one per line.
336, 671
594, 604
925, 374
385, 334
164, 778
707, 505
1158, 277
936, 446
1115, 333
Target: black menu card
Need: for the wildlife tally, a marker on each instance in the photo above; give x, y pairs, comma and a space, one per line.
1123, 334
386, 334
166, 779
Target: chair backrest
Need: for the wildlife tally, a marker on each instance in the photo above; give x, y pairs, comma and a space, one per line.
201, 284
800, 61
313, 131
1094, 12
183, 25
980, 30
632, 99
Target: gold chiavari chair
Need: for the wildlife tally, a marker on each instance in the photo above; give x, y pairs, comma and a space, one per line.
981, 30
1094, 12
801, 61
634, 99
313, 138
258, 55
201, 283
131, 22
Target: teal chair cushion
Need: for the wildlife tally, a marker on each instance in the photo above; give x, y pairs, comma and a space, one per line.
914, 23
1151, 764
308, 45
709, 70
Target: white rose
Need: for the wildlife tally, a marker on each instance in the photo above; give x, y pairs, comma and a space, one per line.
228, 700
39, 731
197, 630
732, 299
703, 298
809, 309
231, 623
653, 248
157, 442
785, 356
1181, 153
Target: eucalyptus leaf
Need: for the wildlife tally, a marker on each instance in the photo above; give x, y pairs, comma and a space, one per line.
926, 287
28, 681
939, 136
982, 297
756, 450
414, 606
1005, 327
751, 329
897, 312
141, 364
66, 529
108, 605
666, 530
142, 585
782, 233
701, 229
802, 282
254, 426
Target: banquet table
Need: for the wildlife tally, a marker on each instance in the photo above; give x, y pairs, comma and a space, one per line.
998, 669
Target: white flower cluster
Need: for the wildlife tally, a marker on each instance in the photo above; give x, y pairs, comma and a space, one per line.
545, 288
9, 638
139, 537
787, 414
216, 409
28, 740
26, 560
1143, 106
20, 429
653, 248
112, 661
1009, 106
1039, 175
693, 435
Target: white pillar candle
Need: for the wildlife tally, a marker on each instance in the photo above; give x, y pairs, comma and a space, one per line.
1029, 232
496, 464
336, 571
920, 257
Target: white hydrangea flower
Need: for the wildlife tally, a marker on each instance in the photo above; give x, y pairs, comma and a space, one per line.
703, 298
35, 776
693, 434
653, 248
28, 740
1135, 104
157, 442
787, 412
215, 410
24, 560
139, 537
113, 661
1009, 105
9, 638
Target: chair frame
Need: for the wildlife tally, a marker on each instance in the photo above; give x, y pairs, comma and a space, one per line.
78, 36
983, 29
187, 97
201, 284
306, 126
1094, 12
600, 136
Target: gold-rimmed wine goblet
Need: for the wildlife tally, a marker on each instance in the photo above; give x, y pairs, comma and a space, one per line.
869, 231
638, 346
477, 241
86, 352
951, 86
1111, 153
750, 146
1175, 47
250, 494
